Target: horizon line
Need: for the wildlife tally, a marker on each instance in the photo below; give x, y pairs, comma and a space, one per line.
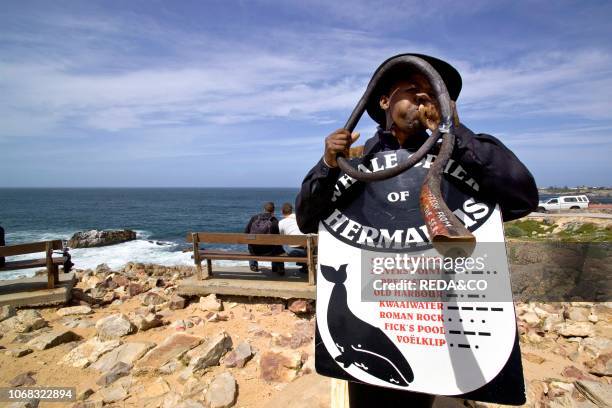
243, 187
50, 187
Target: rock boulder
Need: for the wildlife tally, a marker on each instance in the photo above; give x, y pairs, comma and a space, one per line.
74, 310
221, 392
210, 303
172, 347
114, 326
127, 353
24, 321
209, 352
6, 312
239, 356
52, 339
279, 366
95, 238
575, 329
89, 352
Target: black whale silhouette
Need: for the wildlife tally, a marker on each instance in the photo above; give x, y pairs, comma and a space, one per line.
361, 344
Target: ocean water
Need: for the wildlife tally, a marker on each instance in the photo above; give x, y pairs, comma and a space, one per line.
162, 217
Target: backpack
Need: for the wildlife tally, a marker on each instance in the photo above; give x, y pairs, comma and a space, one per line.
261, 225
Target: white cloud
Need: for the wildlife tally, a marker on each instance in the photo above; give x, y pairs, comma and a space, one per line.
545, 138
572, 83
385, 15
274, 73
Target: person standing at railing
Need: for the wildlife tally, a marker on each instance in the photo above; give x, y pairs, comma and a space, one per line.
288, 226
2, 243
265, 223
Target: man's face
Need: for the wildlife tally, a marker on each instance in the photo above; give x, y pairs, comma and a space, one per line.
402, 103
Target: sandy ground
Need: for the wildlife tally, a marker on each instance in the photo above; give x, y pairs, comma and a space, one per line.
253, 391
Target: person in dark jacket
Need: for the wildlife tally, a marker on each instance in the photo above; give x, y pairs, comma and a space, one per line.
404, 108
2, 243
265, 223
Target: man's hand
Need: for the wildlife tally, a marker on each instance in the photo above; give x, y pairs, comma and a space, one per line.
428, 114
338, 142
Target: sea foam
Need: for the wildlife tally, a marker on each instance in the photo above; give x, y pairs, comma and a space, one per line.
116, 256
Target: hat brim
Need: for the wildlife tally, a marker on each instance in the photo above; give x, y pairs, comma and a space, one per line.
449, 75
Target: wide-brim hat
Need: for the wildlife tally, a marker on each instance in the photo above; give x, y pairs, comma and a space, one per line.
449, 75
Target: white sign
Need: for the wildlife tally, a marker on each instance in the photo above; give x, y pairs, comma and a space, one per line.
435, 329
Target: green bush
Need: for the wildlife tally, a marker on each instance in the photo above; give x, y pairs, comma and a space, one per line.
513, 231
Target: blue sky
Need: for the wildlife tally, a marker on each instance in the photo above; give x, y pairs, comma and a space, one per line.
242, 93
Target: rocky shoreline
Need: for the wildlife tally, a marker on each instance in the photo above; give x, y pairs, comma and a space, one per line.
128, 340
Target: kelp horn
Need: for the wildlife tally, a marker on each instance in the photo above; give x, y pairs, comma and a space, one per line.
442, 224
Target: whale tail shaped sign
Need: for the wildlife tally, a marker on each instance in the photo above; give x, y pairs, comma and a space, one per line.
395, 312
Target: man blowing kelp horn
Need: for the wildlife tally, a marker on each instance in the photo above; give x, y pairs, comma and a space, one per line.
404, 107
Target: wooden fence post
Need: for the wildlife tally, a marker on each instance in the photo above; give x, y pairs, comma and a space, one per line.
49, 259
208, 268
339, 397
312, 267
196, 254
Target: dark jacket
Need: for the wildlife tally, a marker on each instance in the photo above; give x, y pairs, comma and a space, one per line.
264, 249
501, 176
2, 243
